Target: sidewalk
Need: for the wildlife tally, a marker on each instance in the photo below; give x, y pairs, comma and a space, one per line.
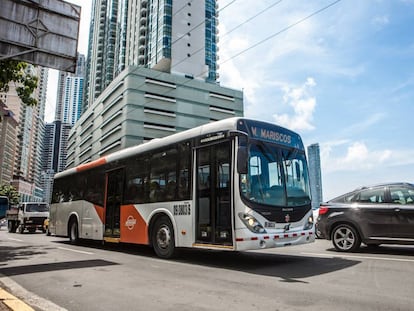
9, 302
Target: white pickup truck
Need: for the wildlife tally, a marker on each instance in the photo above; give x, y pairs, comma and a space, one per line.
28, 215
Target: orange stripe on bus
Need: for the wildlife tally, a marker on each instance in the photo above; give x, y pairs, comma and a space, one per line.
134, 229
100, 211
87, 166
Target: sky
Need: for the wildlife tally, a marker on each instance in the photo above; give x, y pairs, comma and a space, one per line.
340, 73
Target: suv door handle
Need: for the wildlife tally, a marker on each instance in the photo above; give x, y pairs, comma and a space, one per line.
397, 210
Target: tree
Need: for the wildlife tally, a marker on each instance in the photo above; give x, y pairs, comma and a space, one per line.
10, 192
15, 71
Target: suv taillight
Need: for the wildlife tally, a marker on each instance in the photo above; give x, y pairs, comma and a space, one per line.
323, 210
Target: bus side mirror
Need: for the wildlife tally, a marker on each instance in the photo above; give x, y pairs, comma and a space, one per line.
242, 160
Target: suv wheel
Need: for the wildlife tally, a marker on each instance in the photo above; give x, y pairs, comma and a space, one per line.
345, 238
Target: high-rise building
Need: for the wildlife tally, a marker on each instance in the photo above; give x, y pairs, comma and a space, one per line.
55, 144
68, 110
142, 104
72, 106
30, 129
54, 154
8, 143
177, 36
70, 93
315, 175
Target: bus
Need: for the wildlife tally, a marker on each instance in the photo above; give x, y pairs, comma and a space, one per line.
4, 206
235, 184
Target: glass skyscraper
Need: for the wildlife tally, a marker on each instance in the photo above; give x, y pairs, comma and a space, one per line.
315, 176
177, 36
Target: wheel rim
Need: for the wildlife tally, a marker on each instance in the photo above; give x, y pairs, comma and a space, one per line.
164, 237
344, 238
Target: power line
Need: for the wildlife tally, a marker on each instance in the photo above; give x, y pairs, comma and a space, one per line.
201, 23
281, 31
251, 18
226, 33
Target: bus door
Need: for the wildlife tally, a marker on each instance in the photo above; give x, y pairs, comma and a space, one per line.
113, 201
213, 193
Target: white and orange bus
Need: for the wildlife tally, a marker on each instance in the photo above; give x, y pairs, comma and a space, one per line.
236, 184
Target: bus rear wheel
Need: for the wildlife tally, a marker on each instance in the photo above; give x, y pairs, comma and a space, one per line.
73, 232
162, 238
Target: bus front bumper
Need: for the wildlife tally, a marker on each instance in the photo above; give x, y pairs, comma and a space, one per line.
245, 240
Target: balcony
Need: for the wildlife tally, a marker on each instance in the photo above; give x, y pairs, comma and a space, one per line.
142, 39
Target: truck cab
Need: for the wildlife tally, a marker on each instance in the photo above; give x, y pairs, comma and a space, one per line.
27, 215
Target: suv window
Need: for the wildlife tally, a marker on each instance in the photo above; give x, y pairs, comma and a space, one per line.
401, 195
370, 196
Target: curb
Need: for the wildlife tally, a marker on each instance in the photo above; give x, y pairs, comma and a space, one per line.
12, 302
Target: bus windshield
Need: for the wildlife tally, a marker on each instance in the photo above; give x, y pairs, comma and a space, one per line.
37, 207
276, 176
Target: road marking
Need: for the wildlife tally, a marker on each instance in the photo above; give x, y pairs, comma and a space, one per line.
15, 240
359, 257
76, 251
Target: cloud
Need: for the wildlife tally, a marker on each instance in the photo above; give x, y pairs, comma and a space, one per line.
345, 155
380, 21
303, 105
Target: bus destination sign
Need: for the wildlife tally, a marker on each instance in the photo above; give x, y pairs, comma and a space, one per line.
276, 135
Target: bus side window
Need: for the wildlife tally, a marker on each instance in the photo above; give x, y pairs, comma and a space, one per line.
136, 178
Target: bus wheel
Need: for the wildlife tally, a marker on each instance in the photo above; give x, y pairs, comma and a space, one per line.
73, 232
163, 238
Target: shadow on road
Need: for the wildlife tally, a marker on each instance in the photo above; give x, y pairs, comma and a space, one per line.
18, 253
290, 268
26, 253
47, 267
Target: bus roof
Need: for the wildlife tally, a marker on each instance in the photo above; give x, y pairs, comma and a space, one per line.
254, 128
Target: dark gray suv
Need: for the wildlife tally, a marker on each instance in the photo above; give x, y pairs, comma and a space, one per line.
373, 215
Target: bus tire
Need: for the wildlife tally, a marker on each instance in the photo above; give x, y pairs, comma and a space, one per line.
162, 238
73, 231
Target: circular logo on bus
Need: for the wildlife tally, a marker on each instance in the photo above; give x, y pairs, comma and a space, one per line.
130, 222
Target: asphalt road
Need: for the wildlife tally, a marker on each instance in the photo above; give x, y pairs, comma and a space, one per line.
50, 274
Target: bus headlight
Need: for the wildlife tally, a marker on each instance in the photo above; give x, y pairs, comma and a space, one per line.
309, 224
252, 223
